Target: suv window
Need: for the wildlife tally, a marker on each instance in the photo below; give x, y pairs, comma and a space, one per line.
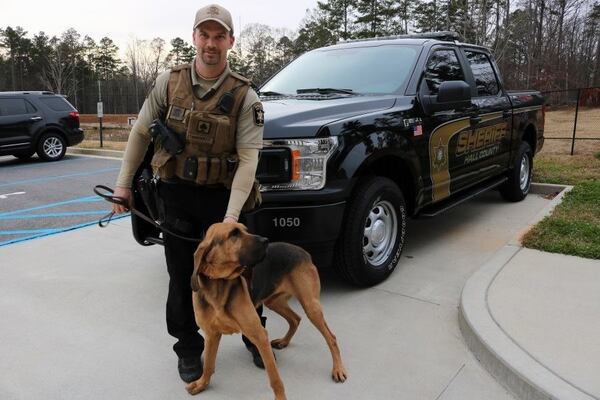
485, 78
57, 103
14, 107
443, 65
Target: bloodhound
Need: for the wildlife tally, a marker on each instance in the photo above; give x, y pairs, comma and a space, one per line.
224, 302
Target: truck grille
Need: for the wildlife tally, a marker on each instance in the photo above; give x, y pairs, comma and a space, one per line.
274, 165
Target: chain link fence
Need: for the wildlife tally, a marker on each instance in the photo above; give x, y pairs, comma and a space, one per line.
572, 116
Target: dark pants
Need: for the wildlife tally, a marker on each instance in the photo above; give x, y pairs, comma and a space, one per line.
189, 211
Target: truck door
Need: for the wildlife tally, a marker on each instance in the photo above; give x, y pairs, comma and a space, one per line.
484, 150
441, 129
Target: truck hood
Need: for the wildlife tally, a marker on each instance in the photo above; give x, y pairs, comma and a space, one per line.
296, 118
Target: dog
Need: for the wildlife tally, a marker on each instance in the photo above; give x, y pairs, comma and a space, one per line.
224, 303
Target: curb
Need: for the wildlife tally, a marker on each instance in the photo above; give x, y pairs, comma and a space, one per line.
559, 192
96, 152
507, 362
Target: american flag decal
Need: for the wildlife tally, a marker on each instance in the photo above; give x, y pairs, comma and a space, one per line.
418, 130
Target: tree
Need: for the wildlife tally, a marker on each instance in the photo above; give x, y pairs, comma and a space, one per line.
313, 32
338, 16
17, 46
106, 60
181, 52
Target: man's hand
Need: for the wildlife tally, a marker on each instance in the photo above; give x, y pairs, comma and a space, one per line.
124, 193
229, 220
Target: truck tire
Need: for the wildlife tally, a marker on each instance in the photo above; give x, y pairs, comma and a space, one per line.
51, 147
373, 232
519, 176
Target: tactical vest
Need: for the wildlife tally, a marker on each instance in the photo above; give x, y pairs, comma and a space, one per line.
208, 127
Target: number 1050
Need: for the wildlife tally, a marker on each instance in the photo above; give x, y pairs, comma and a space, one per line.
286, 222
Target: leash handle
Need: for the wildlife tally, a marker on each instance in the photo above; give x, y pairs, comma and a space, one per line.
121, 201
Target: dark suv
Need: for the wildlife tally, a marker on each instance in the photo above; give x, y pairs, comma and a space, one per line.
41, 122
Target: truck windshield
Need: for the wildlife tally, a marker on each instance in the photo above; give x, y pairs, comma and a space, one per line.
382, 69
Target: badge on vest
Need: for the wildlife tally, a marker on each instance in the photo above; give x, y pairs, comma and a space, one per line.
176, 113
203, 127
259, 114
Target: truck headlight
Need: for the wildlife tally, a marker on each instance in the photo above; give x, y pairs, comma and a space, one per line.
307, 162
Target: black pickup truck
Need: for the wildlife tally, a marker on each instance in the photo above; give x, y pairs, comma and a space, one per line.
361, 135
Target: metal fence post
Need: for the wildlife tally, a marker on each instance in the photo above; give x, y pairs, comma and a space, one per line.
575, 123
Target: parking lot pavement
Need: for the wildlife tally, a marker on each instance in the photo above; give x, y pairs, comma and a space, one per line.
40, 198
83, 317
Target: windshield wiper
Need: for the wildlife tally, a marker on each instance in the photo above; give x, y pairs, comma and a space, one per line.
270, 93
325, 91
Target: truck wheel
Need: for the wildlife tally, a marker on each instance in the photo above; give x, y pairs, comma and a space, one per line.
51, 147
373, 233
519, 177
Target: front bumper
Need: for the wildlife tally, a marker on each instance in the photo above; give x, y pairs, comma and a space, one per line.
314, 227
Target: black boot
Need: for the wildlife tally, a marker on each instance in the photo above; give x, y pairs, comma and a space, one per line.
190, 368
256, 358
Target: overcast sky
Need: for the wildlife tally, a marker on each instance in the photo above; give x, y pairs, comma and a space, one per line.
121, 19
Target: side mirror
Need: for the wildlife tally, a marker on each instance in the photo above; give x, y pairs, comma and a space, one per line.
451, 95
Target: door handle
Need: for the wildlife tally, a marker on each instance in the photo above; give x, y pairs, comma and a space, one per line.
35, 119
475, 119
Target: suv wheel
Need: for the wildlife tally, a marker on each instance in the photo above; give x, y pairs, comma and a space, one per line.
51, 147
519, 177
373, 233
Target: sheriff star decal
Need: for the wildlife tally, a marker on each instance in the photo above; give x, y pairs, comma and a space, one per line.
259, 114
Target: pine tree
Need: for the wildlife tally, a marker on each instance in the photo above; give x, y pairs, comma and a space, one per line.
106, 60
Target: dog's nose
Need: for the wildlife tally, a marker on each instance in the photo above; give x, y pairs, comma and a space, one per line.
263, 240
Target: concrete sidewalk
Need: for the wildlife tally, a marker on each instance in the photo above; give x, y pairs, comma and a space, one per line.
83, 317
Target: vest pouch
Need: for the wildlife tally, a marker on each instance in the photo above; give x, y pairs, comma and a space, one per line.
204, 131
214, 171
254, 198
163, 164
201, 168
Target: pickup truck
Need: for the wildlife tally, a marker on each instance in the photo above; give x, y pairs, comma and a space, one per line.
361, 135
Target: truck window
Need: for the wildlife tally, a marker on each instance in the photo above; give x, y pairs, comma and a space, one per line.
485, 78
13, 107
382, 69
443, 65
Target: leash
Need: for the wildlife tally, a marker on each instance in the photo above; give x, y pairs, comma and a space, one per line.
105, 220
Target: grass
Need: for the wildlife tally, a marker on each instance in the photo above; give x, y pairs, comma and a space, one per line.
574, 226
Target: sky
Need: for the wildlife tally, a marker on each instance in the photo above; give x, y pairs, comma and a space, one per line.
121, 20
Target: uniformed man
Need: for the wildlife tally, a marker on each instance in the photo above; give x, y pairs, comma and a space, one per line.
221, 119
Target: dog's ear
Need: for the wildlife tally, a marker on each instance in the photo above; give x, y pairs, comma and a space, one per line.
200, 262
222, 270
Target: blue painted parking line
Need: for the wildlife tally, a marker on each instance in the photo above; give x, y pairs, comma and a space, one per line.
29, 231
54, 215
40, 164
52, 178
56, 231
87, 199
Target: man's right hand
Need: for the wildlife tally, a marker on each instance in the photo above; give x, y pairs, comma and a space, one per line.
124, 193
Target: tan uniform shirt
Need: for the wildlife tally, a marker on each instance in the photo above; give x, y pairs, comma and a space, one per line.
248, 136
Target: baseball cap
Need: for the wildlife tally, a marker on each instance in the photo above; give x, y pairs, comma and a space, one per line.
214, 12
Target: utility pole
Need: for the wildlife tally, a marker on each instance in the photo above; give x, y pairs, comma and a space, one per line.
100, 110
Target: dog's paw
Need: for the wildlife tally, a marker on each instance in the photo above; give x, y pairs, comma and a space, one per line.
339, 374
279, 343
196, 386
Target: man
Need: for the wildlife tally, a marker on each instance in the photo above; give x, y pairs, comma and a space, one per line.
221, 119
